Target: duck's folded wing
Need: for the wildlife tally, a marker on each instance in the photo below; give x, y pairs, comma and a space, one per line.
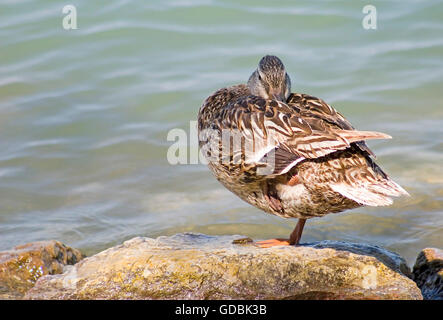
321, 115
273, 130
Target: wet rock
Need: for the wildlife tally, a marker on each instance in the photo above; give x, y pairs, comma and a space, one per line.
22, 266
428, 273
196, 266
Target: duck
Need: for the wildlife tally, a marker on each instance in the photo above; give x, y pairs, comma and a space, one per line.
289, 154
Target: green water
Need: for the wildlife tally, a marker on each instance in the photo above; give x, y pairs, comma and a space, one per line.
84, 114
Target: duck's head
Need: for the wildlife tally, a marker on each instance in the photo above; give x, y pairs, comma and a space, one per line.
270, 80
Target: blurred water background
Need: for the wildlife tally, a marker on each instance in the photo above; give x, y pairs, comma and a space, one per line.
84, 114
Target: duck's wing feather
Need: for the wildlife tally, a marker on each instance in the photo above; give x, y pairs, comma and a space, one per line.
322, 116
277, 130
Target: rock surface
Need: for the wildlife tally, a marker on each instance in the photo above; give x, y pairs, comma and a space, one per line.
22, 266
196, 266
428, 273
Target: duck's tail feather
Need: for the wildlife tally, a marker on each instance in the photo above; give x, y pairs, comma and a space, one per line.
355, 135
373, 194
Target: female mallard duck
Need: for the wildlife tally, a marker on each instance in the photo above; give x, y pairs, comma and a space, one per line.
289, 154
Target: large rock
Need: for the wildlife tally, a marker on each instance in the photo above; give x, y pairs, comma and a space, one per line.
428, 273
22, 266
196, 266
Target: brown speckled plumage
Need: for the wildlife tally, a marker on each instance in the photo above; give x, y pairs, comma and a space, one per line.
330, 165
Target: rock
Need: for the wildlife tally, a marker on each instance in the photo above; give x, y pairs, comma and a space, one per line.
428, 273
196, 266
22, 266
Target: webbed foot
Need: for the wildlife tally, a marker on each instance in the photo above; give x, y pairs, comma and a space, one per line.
272, 243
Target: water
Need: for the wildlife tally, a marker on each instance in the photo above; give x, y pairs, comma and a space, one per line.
84, 114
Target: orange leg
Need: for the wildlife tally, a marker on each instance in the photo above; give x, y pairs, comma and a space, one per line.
294, 238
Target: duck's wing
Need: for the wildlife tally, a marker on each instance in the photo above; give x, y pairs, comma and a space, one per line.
273, 132
367, 184
322, 116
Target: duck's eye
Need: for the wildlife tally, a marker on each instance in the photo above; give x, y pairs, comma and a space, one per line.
259, 77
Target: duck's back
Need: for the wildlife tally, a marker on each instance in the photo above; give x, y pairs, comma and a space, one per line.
216, 102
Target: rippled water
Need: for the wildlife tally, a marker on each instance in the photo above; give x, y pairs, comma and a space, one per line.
84, 114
